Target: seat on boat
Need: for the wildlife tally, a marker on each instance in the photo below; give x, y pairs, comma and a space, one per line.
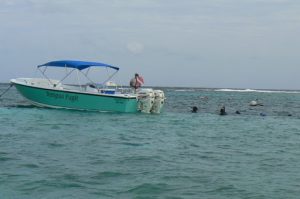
91, 88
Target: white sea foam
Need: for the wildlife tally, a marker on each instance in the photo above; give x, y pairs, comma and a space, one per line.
253, 90
185, 90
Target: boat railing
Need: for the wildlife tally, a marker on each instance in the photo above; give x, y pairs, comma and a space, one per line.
39, 82
90, 88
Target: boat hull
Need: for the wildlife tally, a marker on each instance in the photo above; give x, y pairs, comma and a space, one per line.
53, 98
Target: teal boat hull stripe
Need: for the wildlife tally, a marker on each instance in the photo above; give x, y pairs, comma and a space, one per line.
77, 100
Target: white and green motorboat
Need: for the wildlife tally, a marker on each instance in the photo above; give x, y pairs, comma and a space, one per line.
51, 93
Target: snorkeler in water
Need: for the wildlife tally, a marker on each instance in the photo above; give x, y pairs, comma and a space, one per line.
222, 111
194, 109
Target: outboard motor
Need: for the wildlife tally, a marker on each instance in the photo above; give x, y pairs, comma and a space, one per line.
159, 100
145, 99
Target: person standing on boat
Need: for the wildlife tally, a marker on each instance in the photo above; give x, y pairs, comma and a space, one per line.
137, 81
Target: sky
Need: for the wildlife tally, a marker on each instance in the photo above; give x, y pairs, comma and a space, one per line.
191, 43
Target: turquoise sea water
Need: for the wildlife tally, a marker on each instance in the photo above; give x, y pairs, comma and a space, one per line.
48, 153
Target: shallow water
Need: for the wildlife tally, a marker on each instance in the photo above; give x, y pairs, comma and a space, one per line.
48, 153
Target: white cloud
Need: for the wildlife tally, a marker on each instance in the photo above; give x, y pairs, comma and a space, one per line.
135, 47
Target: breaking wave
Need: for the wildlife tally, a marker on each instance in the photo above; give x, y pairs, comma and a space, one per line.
253, 90
185, 90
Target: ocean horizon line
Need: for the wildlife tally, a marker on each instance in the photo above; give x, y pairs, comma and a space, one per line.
228, 89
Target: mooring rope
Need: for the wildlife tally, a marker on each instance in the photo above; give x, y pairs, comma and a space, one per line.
6, 90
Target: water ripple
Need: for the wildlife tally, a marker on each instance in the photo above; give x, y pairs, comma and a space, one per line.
48, 153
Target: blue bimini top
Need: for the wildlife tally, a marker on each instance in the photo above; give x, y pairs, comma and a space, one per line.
80, 65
